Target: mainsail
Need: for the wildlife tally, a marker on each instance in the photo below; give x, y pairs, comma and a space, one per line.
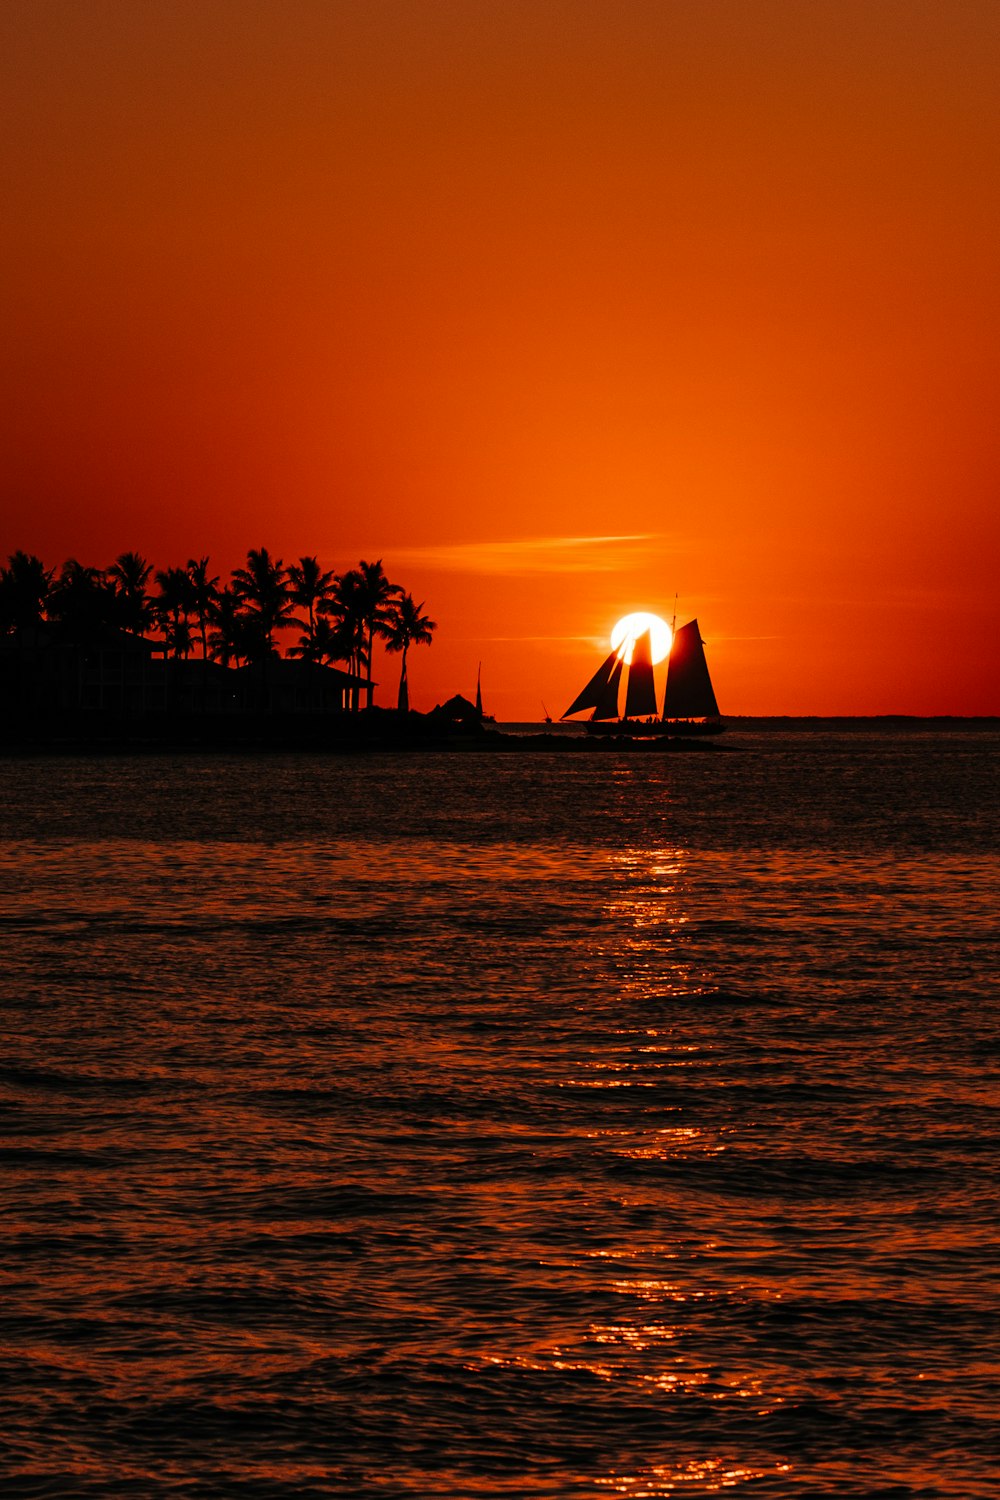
596, 690
640, 696
689, 692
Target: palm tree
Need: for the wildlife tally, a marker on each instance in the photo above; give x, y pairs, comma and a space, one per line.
82, 601
262, 588
24, 590
375, 599
407, 627
344, 608
128, 576
336, 640
227, 642
204, 593
326, 642
309, 588
173, 607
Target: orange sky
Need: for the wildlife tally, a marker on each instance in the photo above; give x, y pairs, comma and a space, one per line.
558, 307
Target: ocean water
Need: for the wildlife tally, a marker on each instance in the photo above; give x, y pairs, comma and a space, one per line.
536, 1125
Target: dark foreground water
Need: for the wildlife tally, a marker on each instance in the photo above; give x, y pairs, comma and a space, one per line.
543, 1125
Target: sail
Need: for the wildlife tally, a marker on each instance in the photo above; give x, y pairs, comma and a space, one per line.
479, 691
591, 695
606, 706
689, 692
640, 696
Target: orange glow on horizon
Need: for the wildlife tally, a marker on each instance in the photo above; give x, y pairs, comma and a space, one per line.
550, 307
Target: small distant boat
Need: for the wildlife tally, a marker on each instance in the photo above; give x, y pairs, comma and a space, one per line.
689, 704
484, 718
548, 716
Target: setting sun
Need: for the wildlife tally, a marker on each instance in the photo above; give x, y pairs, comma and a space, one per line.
631, 626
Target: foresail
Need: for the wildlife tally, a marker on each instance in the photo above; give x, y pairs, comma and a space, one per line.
591, 695
640, 696
689, 692
606, 706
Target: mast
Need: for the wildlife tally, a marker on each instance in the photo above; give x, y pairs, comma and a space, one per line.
479, 691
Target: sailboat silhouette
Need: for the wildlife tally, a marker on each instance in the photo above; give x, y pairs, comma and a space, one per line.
689, 703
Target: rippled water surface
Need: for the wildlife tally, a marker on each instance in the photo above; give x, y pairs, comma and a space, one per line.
527, 1125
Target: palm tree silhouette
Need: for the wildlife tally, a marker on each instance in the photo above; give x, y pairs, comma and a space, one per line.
173, 607
340, 616
375, 598
204, 592
345, 609
24, 590
227, 641
310, 589
128, 575
262, 589
335, 639
82, 601
407, 627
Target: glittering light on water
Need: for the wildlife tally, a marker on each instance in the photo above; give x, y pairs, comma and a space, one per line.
710, 1475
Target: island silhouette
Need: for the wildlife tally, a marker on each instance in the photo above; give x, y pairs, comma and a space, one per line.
128, 649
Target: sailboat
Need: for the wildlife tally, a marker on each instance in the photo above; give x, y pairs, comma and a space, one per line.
483, 718
689, 703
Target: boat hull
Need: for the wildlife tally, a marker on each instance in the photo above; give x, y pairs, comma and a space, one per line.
655, 728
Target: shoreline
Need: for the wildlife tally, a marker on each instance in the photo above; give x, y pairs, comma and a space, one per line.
381, 731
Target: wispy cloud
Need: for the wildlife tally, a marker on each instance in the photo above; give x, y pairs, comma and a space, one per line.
522, 640
550, 554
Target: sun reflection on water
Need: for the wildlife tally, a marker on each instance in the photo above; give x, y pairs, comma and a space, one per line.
649, 911
710, 1475
662, 1142
668, 1291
